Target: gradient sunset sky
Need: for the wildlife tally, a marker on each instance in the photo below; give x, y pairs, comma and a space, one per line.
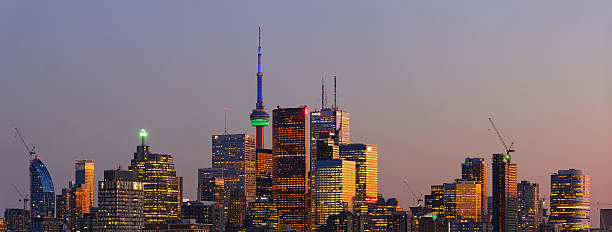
420, 79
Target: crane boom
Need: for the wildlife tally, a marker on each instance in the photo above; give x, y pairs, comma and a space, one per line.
25, 144
501, 139
24, 198
418, 200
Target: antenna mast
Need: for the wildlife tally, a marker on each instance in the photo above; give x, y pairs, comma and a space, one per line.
335, 100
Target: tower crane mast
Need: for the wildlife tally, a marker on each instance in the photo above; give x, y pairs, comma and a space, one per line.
24, 197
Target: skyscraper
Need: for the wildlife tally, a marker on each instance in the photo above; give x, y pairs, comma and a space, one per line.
475, 169
504, 194
263, 214
435, 200
462, 199
570, 199
84, 182
329, 121
160, 183
235, 155
259, 117
290, 174
211, 186
529, 213
120, 202
333, 190
366, 166
41, 190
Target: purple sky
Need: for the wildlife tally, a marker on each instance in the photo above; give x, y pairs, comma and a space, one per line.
420, 79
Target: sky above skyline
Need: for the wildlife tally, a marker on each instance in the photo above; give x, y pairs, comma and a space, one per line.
419, 78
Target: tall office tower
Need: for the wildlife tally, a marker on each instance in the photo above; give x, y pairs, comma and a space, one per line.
333, 190
263, 182
475, 169
41, 190
462, 200
328, 121
259, 117
160, 183
529, 213
435, 200
62, 205
120, 202
570, 199
290, 175
211, 186
235, 155
326, 147
366, 165
84, 181
263, 215
505, 200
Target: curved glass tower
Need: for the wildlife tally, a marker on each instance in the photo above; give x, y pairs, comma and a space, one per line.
41, 190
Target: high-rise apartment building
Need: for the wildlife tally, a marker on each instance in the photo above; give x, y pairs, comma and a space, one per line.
120, 202
570, 199
235, 155
475, 169
529, 210
505, 196
160, 183
366, 165
41, 190
84, 183
333, 190
290, 175
211, 186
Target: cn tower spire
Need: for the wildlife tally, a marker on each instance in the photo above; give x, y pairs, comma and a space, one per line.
259, 117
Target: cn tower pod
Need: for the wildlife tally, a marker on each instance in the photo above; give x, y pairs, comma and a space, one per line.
260, 117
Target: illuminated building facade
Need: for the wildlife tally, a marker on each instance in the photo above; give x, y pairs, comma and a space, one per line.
290, 174
265, 165
529, 210
505, 199
84, 182
235, 155
329, 120
41, 190
570, 199
475, 169
262, 214
120, 202
333, 190
366, 166
462, 200
435, 200
17, 219
160, 183
211, 186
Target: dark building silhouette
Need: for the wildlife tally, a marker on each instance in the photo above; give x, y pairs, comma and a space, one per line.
505, 199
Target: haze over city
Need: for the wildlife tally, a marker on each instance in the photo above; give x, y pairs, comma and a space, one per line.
420, 79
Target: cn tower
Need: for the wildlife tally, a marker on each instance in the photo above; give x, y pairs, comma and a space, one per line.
259, 116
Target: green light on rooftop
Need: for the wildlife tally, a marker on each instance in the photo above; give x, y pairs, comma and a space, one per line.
260, 122
143, 133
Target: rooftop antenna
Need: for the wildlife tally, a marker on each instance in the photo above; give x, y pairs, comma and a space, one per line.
322, 92
335, 101
225, 119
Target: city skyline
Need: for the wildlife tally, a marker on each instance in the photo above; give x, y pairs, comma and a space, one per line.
560, 123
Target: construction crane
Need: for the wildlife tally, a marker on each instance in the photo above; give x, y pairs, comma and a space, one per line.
24, 197
509, 149
27, 147
418, 199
